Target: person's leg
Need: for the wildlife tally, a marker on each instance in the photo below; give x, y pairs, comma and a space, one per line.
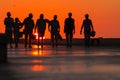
15, 39
67, 39
11, 45
26, 38
9, 37
38, 39
30, 37
42, 42
52, 39
16, 45
71, 36
11, 40
56, 39
17, 42
87, 39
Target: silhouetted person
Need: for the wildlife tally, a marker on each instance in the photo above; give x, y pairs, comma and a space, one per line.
17, 34
41, 27
69, 29
28, 29
88, 27
9, 23
54, 28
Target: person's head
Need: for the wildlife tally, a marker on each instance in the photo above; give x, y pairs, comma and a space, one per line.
41, 16
30, 15
70, 14
86, 16
8, 14
55, 17
16, 19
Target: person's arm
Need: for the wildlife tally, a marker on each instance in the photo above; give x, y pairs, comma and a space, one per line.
58, 27
5, 21
73, 26
92, 26
65, 26
47, 21
32, 26
24, 21
12, 22
49, 26
36, 26
20, 24
82, 27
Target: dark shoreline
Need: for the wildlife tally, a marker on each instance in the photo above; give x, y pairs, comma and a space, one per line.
76, 41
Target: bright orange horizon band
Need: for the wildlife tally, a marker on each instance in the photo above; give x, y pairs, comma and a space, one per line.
103, 13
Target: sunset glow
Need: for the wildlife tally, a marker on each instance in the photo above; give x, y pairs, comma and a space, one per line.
105, 14
36, 35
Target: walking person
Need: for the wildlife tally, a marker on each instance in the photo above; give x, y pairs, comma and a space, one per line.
28, 29
69, 29
17, 34
41, 27
88, 27
54, 28
9, 23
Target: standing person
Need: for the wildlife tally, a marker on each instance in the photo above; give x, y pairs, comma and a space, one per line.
17, 34
69, 29
41, 27
88, 26
28, 29
54, 28
9, 23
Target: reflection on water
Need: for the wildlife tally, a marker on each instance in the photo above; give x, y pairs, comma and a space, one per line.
67, 60
35, 46
37, 68
62, 50
37, 61
77, 66
37, 53
106, 68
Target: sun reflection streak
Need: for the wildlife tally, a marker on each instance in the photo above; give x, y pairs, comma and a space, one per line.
40, 51
37, 53
38, 68
37, 61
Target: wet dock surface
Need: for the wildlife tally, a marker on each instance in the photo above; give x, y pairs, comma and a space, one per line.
61, 63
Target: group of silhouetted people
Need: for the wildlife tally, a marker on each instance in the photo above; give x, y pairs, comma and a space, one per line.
53, 26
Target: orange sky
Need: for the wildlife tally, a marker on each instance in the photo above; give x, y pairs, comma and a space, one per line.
105, 14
